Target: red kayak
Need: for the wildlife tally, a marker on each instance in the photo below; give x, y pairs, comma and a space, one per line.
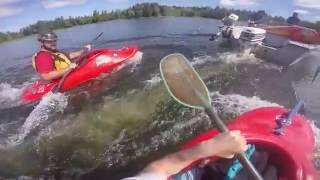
290, 153
295, 33
93, 64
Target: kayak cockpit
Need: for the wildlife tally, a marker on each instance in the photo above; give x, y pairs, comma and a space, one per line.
226, 169
272, 162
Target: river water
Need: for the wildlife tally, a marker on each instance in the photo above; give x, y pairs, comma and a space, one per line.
114, 126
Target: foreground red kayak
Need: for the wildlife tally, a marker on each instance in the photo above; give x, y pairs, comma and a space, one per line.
93, 64
295, 33
290, 152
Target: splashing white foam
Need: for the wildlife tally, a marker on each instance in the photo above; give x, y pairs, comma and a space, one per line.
228, 58
52, 102
238, 104
316, 154
155, 80
133, 62
9, 96
228, 105
316, 132
231, 58
202, 59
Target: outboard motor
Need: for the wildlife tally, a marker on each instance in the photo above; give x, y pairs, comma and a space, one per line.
252, 34
226, 29
228, 23
243, 38
249, 37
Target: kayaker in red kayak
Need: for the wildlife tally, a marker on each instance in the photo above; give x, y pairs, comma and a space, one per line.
51, 63
224, 145
257, 18
294, 19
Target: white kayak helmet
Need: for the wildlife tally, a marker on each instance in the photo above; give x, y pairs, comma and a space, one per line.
49, 36
234, 17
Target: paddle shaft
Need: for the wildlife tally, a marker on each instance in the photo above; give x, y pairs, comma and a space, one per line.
214, 36
316, 74
92, 42
96, 38
241, 157
58, 86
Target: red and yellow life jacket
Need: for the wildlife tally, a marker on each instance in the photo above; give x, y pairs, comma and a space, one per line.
60, 61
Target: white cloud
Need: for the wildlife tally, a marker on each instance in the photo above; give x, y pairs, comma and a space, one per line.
118, 1
315, 4
301, 11
8, 2
61, 3
238, 2
8, 8
9, 11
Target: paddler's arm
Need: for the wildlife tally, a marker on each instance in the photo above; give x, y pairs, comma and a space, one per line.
57, 73
77, 54
224, 145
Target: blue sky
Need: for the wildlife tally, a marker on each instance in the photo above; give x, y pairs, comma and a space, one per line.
15, 14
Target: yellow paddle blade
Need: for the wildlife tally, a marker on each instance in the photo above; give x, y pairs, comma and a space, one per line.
183, 82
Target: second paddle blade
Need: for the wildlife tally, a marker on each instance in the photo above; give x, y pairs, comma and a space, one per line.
183, 82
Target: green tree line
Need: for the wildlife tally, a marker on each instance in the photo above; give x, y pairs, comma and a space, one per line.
138, 10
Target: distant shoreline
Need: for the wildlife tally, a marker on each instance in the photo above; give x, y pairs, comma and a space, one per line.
136, 11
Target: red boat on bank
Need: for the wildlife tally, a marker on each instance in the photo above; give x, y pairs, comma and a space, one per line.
295, 33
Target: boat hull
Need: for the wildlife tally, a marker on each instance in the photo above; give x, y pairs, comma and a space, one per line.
279, 45
295, 33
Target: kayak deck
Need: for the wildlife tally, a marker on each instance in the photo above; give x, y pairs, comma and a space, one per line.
290, 152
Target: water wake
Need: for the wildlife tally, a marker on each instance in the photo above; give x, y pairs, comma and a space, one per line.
228, 58
154, 81
9, 96
202, 59
316, 154
52, 102
235, 104
170, 131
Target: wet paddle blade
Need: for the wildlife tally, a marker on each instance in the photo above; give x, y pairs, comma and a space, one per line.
183, 82
185, 86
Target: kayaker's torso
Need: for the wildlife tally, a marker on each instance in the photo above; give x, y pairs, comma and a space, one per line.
45, 61
294, 19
